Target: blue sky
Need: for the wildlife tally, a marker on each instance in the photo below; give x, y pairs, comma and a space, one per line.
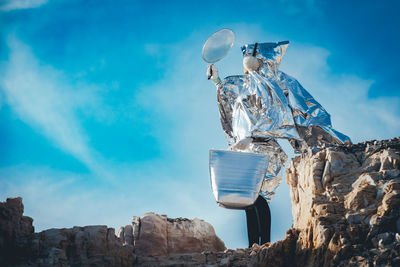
106, 112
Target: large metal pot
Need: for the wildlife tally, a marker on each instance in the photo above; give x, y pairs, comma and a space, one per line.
236, 177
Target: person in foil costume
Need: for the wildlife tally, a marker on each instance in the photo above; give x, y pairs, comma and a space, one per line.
261, 106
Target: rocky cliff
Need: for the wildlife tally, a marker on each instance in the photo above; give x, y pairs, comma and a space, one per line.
149, 235
346, 205
15, 231
346, 212
78, 246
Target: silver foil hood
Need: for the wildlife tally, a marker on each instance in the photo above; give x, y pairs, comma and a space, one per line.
263, 105
270, 53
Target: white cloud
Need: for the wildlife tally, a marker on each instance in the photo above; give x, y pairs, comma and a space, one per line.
44, 98
343, 95
7, 5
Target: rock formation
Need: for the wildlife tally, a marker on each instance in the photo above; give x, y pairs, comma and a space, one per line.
157, 235
149, 235
80, 246
345, 206
15, 231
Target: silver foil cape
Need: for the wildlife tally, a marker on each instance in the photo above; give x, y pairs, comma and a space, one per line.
258, 107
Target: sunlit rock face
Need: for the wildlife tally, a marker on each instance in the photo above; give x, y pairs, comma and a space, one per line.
153, 234
97, 245
346, 204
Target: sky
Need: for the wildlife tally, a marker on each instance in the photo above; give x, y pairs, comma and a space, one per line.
106, 112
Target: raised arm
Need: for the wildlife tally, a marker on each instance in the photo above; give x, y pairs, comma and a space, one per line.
212, 74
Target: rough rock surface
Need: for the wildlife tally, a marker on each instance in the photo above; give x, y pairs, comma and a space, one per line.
153, 234
80, 246
346, 212
15, 230
346, 204
280, 253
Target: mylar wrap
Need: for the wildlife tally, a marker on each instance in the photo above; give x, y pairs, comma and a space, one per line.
259, 107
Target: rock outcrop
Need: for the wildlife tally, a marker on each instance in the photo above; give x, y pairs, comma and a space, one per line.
149, 235
345, 206
15, 231
80, 246
156, 235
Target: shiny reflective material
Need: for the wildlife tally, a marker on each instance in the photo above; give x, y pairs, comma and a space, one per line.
218, 45
270, 84
267, 104
236, 177
277, 160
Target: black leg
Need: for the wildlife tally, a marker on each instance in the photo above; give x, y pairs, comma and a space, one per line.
252, 225
258, 217
264, 215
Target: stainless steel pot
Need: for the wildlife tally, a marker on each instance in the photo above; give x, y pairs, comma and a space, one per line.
236, 177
